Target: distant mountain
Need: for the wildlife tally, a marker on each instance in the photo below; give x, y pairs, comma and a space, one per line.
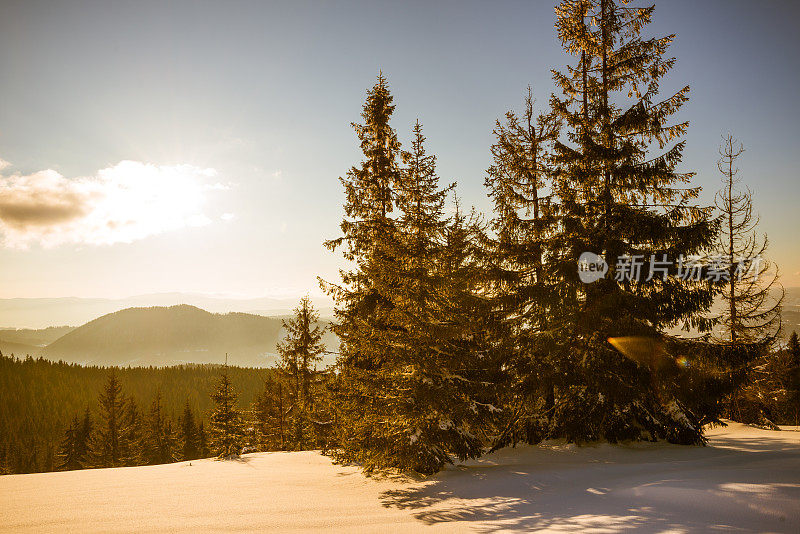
43, 312
791, 322
172, 335
23, 342
28, 336
20, 350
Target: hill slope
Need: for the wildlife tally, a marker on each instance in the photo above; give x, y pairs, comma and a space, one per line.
23, 342
42, 312
745, 480
38, 338
170, 336
20, 350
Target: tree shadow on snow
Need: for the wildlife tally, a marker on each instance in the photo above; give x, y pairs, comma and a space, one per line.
617, 489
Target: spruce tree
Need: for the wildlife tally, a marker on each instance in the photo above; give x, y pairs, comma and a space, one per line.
133, 443
300, 351
68, 451
157, 442
82, 437
368, 237
270, 413
364, 298
226, 423
110, 441
620, 200
429, 412
751, 313
520, 184
188, 441
403, 391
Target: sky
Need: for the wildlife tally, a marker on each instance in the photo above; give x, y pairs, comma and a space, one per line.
196, 146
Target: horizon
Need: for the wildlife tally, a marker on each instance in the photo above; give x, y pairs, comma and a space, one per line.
181, 163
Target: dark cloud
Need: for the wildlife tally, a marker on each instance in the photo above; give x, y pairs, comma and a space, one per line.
23, 209
120, 204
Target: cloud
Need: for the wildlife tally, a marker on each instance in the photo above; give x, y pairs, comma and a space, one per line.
120, 204
227, 216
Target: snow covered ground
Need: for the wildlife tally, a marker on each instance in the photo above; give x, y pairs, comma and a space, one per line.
746, 480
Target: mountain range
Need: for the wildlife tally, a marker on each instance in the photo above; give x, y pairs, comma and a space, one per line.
159, 336
34, 313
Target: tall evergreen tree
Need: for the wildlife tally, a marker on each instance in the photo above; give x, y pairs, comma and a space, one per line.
68, 451
403, 387
134, 425
83, 435
202, 441
368, 237
751, 313
429, 410
226, 423
619, 200
157, 441
188, 441
794, 348
519, 183
300, 351
364, 298
110, 441
270, 413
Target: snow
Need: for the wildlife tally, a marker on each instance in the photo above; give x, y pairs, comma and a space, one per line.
746, 480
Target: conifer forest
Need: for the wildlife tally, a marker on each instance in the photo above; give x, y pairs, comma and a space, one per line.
599, 294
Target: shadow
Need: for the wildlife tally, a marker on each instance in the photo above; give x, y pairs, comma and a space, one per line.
737, 484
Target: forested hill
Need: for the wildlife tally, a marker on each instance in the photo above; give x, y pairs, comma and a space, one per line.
172, 335
38, 398
25, 341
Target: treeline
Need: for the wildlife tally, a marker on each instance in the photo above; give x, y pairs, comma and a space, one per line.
40, 398
64, 417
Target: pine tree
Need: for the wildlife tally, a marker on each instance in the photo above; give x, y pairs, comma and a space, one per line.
157, 443
110, 441
403, 388
300, 351
793, 346
520, 183
226, 423
68, 451
133, 443
751, 317
188, 441
82, 437
270, 415
364, 298
751, 313
368, 237
619, 200
74, 447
